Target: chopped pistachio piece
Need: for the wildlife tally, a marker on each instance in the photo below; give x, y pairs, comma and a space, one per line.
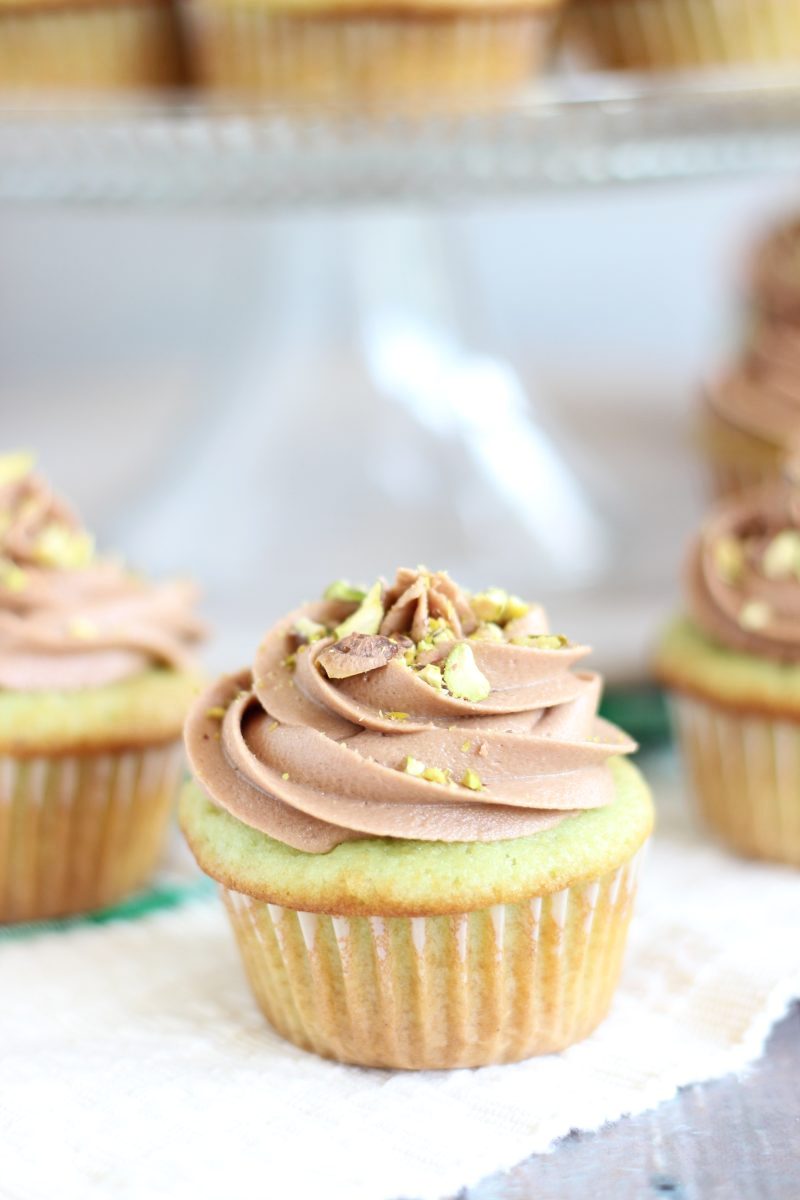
308, 630
472, 780
489, 605
754, 615
285, 775
342, 589
436, 775
542, 641
466, 747
462, 675
409, 656
412, 766
83, 629
515, 608
15, 466
397, 716
367, 617
12, 576
782, 555
432, 675
290, 662
272, 727
729, 558
489, 631
216, 713
58, 546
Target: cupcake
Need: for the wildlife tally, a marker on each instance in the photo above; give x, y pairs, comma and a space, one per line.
776, 274
343, 52
750, 424
733, 666
664, 34
96, 675
426, 839
114, 45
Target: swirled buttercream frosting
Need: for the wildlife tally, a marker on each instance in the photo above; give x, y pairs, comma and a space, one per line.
761, 395
69, 618
412, 710
744, 573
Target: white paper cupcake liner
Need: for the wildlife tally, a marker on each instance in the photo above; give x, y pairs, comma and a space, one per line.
688, 33
360, 58
496, 985
744, 773
81, 832
93, 46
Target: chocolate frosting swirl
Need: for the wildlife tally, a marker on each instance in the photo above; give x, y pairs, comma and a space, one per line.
351, 734
744, 573
776, 272
69, 619
761, 396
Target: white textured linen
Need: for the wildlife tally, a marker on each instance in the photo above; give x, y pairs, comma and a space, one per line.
134, 1063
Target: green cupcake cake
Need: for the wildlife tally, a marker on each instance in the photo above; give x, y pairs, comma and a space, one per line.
96, 675
426, 838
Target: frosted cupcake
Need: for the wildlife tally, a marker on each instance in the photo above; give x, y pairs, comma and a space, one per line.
96, 674
111, 45
733, 665
426, 838
776, 274
659, 34
751, 417
346, 52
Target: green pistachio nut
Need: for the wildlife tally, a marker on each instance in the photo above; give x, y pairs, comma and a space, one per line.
489, 605
432, 675
782, 556
59, 546
487, 632
755, 615
15, 466
308, 630
542, 641
12, 577
342, 589
728, 554
515, 608
367, 617
462, 676
436, 775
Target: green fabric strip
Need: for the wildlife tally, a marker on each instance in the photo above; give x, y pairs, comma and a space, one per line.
144, 904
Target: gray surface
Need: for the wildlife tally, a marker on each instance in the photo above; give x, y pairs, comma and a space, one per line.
737, 1138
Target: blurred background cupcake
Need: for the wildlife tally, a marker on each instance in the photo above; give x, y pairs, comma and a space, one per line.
733, 666
107, 45
750, 417
343, 51
686, 33
96, 673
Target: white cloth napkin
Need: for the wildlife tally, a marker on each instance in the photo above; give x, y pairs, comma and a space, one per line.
133, 1061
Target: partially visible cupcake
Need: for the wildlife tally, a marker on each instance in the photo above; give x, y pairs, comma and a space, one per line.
390, 53
669, 34
96, 674
427, 839
733, 666
775, 283
751, 416
88, 45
